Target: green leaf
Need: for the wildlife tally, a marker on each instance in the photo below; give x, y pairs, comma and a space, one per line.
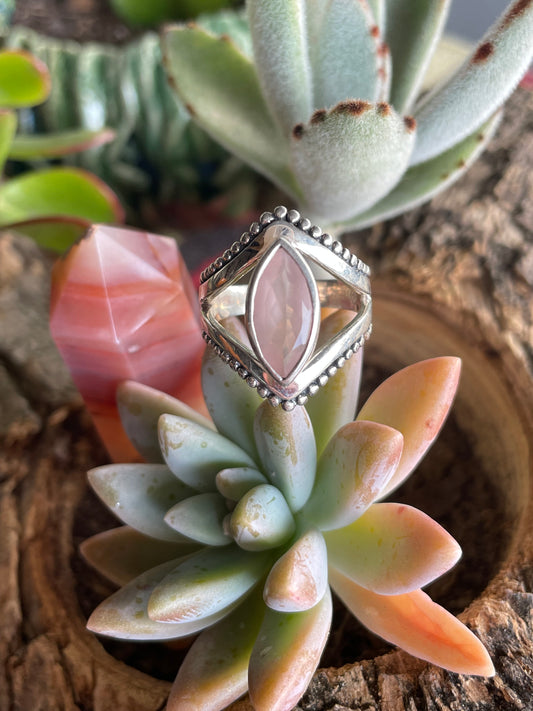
52, 145
261, 520
220, 88
455, 110
286, 445
421, 23
8, 126
54, 233
234, 483
425, 180
200, 518
24, 79
350, 157
377, 7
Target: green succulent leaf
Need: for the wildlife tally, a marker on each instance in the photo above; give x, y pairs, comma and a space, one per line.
53, 145
412, 46
220, 88
350, 157
140, 408
234, 483
8, 126
24, 81
140, 495
124, 614
209, 581
357, 463
286, 445
377, 7
455, 110
299, 579
195, 454
422, 182
286, 655
335, 403
122, 554
394, 549
200, 518
262, 519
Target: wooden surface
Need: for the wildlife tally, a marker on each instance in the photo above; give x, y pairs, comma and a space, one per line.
455, 277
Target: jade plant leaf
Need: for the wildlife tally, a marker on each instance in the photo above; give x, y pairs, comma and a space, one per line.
195, 454
417, 624
279, 672
140, 495
262, 519
356, 465
453, 111
8, 126
200, 518
393, 549
286, 445
358, 149
415, 401
52, 145
24, 79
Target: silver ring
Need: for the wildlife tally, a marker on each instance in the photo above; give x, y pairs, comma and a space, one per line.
276, 279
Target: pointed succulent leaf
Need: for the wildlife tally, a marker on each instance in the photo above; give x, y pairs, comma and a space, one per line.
359, 151
355, 466
453, 111
52, 145
234, 483
417, 624
262, 519
140, 408
200, 518
195, 453
215, 671
412, 46
220, 88
123, 615
415, 401
230, 400
8, 126
140, 495
299, 579
286, 655
421, 182
286, 445
206, 583
281, 53
24, 79
335, 403
393, 549
121, 554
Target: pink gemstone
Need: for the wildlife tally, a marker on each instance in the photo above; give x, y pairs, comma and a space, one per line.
282, 313
123, 307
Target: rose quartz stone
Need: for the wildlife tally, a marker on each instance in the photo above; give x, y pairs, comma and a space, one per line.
123, 307
282, 313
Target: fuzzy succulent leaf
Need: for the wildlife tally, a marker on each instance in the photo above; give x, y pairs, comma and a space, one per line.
215, 671
421, 23
415, 401
417, 624
200, 518
122, 554
234, 483
279, 670
357, 463
206, 583
359, 150
421, 182
393, 549
8, 126
140, 495
219, 86
299, 580
195, 453
262, 519
455, 110
286, 445
140, 408
335, 403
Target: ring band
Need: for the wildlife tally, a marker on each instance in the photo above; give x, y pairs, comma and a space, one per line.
276, 279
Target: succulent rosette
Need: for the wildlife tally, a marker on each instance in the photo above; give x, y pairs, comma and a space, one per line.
240, 524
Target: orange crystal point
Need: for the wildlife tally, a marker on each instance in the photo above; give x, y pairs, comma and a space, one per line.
123, 307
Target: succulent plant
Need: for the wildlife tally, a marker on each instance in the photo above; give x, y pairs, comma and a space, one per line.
239, 525
328, 107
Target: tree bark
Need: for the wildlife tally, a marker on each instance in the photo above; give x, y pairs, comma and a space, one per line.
454, 277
